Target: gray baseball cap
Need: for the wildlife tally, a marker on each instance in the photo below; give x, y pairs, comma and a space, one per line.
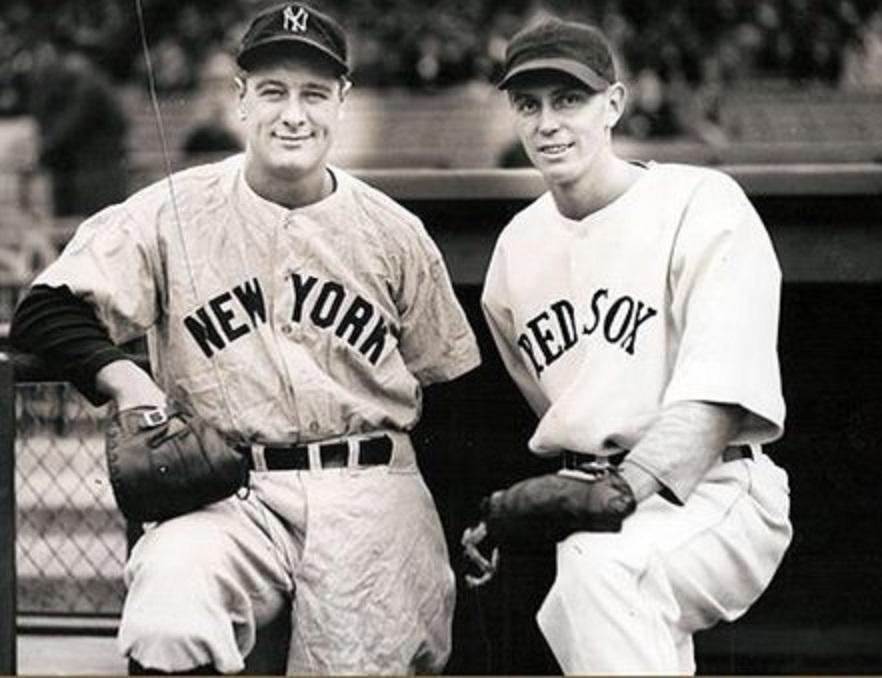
573, 48
294, 26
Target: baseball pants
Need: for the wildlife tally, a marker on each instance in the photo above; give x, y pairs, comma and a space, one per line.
629, 602
357, 554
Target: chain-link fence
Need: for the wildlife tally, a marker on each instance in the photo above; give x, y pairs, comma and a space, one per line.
71, 542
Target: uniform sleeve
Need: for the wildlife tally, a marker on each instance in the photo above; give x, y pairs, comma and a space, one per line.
110, 263
61, 328
497, 313
683, 444
436, 342
725, 287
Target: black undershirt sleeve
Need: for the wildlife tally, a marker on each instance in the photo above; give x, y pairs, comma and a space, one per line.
64, 330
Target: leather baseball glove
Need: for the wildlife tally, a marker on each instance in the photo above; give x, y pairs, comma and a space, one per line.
544, 510
165, 462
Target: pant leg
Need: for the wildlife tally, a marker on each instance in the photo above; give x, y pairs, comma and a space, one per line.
375, 591
719, 575
199, 585
629, 602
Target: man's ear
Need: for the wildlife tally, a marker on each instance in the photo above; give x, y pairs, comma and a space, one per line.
241, 87
616, 96
345, 86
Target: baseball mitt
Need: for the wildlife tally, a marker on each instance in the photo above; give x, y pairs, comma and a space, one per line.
165, 462
548, 508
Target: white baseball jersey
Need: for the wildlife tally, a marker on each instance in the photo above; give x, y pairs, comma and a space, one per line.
669, 293
275, 324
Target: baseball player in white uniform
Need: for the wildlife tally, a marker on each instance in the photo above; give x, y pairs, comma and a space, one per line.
635, 305
301, 312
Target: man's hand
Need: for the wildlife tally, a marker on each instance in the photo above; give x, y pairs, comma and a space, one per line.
482, 565
129, 386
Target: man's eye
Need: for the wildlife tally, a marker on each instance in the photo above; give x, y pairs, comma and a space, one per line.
570, 100
315, 95
272, 92
525, 106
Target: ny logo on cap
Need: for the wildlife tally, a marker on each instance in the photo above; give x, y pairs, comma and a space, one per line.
294, 22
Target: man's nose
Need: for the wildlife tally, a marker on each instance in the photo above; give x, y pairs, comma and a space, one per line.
548, 121
293, 112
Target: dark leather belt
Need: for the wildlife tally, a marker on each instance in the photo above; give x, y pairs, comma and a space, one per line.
369, 452
575, 460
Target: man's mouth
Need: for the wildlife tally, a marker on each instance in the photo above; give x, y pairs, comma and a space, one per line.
553, 150
292, 138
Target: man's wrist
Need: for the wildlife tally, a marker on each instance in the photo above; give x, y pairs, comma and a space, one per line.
643, 483
128, 385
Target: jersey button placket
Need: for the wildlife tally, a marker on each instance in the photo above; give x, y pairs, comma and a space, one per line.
282, 318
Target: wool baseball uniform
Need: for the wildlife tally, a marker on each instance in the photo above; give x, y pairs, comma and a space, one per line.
310, 325
668, 294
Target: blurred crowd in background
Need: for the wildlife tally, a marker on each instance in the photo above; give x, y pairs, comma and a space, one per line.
65, 63
73, 93
668, 47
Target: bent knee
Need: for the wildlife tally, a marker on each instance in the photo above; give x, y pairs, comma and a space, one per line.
600, 553
170, 643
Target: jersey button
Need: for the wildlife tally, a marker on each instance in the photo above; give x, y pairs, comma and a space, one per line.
286, 328
314, 426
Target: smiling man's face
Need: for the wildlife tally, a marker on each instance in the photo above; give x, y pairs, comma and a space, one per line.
562, 124
291, 110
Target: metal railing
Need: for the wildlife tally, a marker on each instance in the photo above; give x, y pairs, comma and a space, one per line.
71, 539
63, 544
8, 594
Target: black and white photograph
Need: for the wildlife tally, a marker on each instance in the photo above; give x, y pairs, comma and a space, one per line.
385, 337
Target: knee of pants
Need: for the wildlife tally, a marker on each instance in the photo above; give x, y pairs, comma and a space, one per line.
609, 573
167, 636
175, 595
172, 647
178, 615
599, 558
179, 634
180, 566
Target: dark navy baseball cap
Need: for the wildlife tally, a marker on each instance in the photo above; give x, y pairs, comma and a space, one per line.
294, 26
573, 48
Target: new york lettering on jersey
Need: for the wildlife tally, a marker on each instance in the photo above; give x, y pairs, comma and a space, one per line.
327, 304
616, 319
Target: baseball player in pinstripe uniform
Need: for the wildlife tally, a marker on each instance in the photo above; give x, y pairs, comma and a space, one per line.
300, 312
635, 305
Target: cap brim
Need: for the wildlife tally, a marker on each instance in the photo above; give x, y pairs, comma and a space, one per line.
579, 71
247, 58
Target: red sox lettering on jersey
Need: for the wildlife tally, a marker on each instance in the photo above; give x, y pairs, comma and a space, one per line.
616, 319
591, 316
326, 304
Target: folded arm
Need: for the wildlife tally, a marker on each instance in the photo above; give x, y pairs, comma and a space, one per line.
64, 329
